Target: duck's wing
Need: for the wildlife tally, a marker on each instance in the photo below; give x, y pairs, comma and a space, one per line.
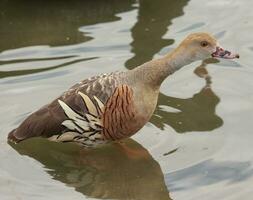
77, 110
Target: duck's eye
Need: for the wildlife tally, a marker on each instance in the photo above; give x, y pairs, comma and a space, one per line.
204, 44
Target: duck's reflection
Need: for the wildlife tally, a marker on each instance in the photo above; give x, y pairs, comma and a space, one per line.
117, 171
193, 114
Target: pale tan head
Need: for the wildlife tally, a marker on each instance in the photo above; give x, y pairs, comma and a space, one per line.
199, 46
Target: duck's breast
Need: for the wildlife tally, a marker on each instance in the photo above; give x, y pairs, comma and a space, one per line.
127, 111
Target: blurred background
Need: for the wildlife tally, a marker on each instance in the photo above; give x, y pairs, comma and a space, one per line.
197, 145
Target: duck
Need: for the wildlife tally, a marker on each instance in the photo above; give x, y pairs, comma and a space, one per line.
111, 107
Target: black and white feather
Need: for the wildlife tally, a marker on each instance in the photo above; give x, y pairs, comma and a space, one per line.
85, 129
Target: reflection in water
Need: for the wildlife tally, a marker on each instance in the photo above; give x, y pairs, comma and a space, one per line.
50, 23
117, 171
153, 21
211, 172
194, 114
29, 23
4, 74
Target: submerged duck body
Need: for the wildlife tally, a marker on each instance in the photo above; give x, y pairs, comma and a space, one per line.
113, 106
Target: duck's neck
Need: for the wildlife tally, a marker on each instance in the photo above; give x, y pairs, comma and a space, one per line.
155, 71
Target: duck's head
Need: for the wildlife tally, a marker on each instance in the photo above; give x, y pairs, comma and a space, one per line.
200, 46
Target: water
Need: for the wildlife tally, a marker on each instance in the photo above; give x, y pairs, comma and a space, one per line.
198, 144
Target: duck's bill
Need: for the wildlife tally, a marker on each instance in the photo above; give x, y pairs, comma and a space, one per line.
221, 53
